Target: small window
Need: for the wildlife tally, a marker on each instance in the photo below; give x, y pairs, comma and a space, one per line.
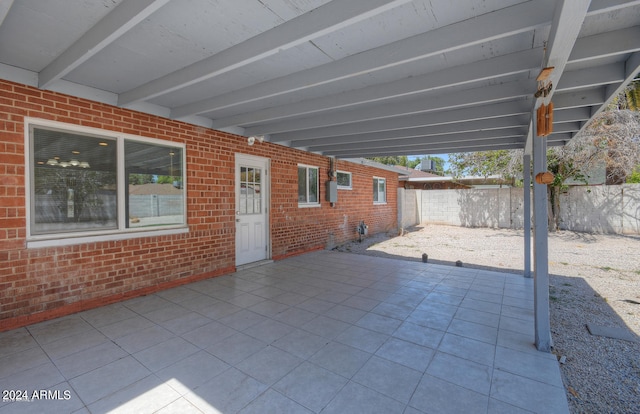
308, 189
379, 190
344, 180
81, 186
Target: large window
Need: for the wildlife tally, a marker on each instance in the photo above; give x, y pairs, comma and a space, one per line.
308, 194
86, 182
379, 190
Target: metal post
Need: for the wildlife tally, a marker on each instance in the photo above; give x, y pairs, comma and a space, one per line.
526, 160
541, 247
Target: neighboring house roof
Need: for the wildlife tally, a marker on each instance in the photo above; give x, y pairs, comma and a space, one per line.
413, 173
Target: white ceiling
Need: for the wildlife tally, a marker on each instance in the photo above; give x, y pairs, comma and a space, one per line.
347, 78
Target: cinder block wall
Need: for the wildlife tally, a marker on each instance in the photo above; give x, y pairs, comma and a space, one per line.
40, 283
612, 209
499, 207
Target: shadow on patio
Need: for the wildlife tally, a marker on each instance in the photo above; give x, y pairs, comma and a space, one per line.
323, 332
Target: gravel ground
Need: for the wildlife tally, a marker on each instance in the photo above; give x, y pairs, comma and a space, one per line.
594, 279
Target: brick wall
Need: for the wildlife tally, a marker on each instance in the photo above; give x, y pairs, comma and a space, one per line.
40, 283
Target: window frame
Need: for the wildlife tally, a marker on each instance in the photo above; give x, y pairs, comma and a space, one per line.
345, 187
307, 203
376, 183
121, 232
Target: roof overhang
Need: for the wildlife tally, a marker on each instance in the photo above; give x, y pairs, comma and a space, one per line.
341, 78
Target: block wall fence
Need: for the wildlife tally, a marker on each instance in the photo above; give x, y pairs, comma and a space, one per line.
613, 209
41, 283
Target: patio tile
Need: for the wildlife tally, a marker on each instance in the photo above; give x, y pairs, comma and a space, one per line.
40, 377
218, 310
268, 308
56, 329
236, 348
242, 320
376, 294
229, 392
468, 348
301, 343
326, 327
445, 298
358, 399
430, 319
108, 379
179, 406
295, 317
274, 402
207, 335
192, 371
335, 296
107, 315
165, 353
481, 305
126, 327
311, 386
290, 298
528, 365
74, 343
143, 339
246, 300
341, 359
528, 394
419, 335
168, 312
389, 378
269, 364
462, 372
316, 305
439, 396
269, 330
89, 359
379, 323
16, 362
392, 310
147, 395
16, 341
361, 302
478, 316
145, 304
406, 353
415, 347
345, 313
474, 331
361, 338
517, 325
186, 323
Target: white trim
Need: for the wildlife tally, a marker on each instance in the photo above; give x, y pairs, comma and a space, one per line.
307, 204
36, 242
385, 190
122, 232
344, 187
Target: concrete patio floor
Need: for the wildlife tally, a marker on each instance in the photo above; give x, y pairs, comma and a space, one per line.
324, 332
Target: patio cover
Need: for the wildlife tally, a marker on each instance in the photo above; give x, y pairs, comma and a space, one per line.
342, 78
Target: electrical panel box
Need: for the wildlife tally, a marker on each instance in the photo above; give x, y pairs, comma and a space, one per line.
332, 191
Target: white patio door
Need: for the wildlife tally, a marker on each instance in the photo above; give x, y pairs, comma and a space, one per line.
252, 219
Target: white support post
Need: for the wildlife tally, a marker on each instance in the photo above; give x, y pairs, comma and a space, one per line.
541, 247
526, 161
